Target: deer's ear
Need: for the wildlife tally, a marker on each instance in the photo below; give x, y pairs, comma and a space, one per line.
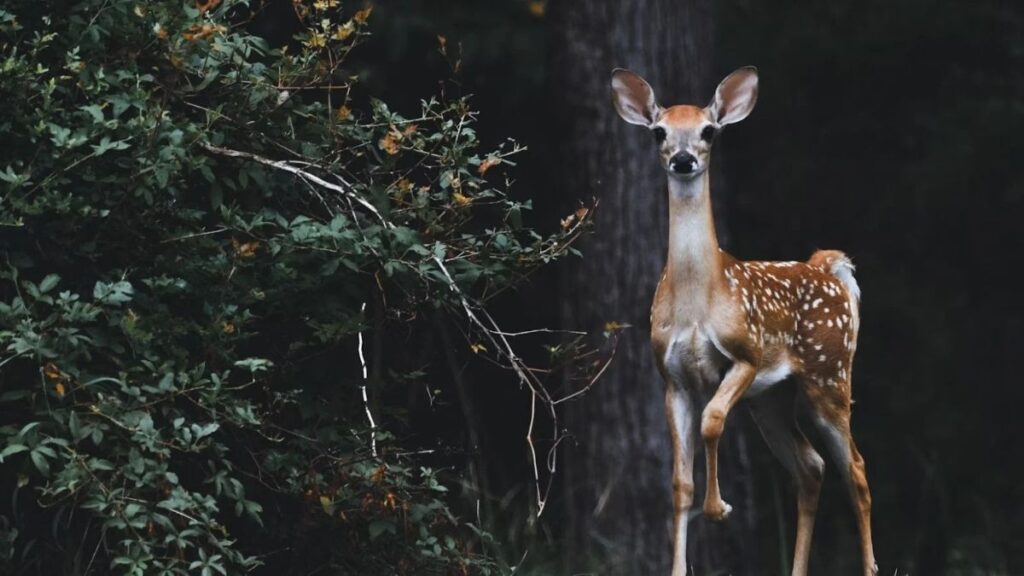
735, 96
634, 98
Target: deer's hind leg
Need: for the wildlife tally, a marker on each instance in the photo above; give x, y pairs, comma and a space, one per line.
831, 407
775, 414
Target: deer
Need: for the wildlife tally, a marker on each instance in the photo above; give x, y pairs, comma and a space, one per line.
723, 329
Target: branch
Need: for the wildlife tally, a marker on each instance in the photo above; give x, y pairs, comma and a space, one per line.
345, 190
497, 339
362, 388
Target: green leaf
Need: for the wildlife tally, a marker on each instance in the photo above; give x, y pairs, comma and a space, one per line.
11, 177
115, 293
95, 111
49, 283
40, 462
106, 145
205, 430
12, 449
75, 426
378, 527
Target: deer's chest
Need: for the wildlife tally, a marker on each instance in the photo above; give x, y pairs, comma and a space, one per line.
690, 355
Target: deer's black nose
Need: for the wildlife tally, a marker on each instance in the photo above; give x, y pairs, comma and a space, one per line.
682, 163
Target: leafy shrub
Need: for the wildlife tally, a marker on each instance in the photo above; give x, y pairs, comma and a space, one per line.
198, 232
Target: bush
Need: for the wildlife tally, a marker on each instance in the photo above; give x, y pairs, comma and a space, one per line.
199, 230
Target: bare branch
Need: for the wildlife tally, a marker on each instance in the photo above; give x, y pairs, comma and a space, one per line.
497, 339
345, 189
366, 401
593, 380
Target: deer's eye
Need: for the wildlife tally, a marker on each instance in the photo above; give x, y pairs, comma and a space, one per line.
659, 134
708, 133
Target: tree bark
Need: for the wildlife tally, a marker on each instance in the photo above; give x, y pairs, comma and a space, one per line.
616, 472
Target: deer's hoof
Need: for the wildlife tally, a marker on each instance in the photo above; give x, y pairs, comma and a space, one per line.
717, 511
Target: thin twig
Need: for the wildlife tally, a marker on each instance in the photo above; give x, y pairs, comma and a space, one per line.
592, 381
196, 235
362, 388
542, 331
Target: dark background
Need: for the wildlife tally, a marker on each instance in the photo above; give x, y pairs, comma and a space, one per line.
890, 130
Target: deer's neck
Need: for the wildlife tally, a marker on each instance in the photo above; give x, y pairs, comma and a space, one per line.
694, 267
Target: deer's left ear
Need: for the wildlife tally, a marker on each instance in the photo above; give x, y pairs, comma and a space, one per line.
735, 96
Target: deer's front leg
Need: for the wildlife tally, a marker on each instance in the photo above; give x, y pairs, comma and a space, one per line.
735, 383
681, 410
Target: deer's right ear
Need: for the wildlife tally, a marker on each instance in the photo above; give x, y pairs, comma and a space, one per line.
634, 98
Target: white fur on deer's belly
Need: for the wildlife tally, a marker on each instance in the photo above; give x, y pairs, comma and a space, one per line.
770, 375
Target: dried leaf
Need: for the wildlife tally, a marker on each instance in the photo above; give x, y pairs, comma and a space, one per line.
316, 40
205, 7
389, 143
59, 388
404, 186
461, 199
344, 113
575, 218
487, 165
228, 328
197, 32
344, 31
245, 249
51, 372
326, 504
362, 15
537, 8
477, 348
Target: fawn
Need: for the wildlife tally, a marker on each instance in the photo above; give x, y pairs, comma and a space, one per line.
756, 323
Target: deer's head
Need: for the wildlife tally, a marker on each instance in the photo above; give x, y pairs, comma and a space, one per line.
684, 133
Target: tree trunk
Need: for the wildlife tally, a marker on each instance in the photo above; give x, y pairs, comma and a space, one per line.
616, 472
